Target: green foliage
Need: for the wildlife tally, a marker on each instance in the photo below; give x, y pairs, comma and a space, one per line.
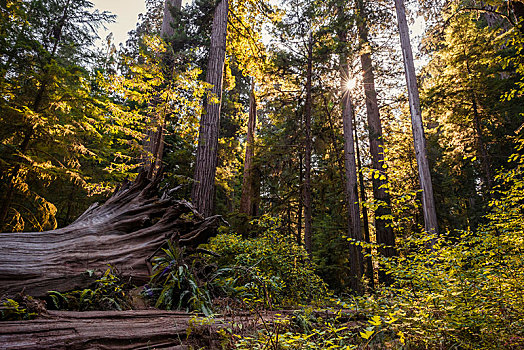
108, 293
175, 283
464, 289
11, 310
304, 330
269, 270
58, 135
473, 65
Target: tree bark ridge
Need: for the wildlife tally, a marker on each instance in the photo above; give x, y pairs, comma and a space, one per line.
203, 192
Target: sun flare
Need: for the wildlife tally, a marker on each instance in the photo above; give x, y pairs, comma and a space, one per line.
351, 83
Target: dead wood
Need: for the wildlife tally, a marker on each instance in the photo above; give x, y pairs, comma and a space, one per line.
140, 329
143, 329
125, 232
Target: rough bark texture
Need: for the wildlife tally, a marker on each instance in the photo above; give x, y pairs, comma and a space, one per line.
428, 203
144, 329
203, 192
354, 227
125, 232
308, 221
300, 200
384, 232
249, 198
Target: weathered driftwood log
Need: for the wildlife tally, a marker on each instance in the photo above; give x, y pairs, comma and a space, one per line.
126, 231
141, 329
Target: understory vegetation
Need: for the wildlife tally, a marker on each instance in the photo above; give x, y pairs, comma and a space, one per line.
461, 291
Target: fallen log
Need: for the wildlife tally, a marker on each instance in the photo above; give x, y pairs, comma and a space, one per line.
140, 329
143, 329
125, 232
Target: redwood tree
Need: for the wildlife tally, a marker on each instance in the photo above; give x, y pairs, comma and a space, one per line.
207, 152
308, 221
384, 231
354, 227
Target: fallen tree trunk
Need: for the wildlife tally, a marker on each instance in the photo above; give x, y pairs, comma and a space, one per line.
144, 329
125, 232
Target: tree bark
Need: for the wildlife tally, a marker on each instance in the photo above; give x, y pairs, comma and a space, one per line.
300, 200
384, 231
365, 218
140, 329
248, 200
354, 227
125, 232
170, 6
203, 191
308, 221
428, 203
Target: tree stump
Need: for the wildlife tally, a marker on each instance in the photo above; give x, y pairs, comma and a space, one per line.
125, 232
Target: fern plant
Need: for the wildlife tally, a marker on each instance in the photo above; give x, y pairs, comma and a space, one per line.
175, 285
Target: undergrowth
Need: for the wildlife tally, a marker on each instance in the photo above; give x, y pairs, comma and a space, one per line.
264, 272
109, 292
20, 307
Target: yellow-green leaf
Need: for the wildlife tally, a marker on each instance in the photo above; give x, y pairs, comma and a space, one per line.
367, 334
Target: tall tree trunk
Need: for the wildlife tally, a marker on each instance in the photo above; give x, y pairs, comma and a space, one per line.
428, 203
300, 201
170, 6
365, 217
203, 192
384, 231
154, 143
307, 176
354, 228
248, 202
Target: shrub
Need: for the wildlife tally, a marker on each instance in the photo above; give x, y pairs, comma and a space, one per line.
267, 270
13, 310
465, 291
271, 270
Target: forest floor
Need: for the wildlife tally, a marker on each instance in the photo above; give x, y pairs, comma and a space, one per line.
138, 329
